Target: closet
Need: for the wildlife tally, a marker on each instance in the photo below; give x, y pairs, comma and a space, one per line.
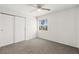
12, 29
19, 29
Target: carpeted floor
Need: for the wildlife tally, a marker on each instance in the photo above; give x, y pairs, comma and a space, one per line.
38, 46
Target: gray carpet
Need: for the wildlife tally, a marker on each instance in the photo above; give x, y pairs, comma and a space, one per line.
38, 46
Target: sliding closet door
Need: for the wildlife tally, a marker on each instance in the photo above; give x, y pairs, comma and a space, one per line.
19, 29
6, 29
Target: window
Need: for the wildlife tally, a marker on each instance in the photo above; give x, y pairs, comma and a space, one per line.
43, 24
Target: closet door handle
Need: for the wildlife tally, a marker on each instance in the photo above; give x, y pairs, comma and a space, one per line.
1, 30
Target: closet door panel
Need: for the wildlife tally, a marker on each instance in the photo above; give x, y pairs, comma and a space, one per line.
19, 29
6, 29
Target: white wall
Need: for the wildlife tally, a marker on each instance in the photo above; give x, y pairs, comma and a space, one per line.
10, 11
62, 27
31, 27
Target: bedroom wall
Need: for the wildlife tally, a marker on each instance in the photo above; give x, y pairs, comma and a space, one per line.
62, 27
10, 11
31, 27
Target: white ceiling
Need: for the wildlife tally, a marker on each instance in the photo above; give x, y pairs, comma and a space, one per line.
29, 10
